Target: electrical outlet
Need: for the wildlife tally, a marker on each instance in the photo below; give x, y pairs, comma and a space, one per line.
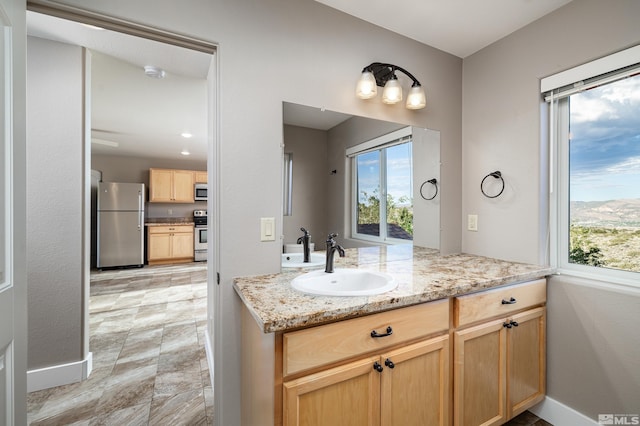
472, 222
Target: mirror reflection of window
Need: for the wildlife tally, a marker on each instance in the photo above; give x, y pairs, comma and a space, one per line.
288, 183
383, 188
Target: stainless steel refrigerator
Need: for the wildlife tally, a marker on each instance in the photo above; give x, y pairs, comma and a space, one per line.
120, 224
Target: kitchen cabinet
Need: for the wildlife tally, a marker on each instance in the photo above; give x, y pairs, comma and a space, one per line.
201, 176
169, 244
499, 353
171, 186
400, 374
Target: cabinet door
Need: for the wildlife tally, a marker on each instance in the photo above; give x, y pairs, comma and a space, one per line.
479, 372
526, 363
183, 183
348, 395
201, 176
415, 384
160, 185
159, 246
182, 245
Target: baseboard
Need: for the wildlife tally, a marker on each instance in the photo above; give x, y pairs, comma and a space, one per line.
208, 348
58, 375
559, 414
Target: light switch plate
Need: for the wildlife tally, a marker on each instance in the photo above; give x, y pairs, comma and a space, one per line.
472, 222
267, 229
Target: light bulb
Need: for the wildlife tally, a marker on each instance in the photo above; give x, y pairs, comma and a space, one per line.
366, 87
416, 98
392, 93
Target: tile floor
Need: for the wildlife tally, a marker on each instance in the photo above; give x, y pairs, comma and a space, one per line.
149, 363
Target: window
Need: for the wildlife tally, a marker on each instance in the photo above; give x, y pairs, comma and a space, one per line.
383, 194
287, 189
597, 202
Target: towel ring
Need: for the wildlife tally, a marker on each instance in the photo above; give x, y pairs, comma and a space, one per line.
434, 182
496, 175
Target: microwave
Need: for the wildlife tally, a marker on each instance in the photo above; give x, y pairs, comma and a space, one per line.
201, 192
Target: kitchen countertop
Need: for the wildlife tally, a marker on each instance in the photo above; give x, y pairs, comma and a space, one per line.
423, 275
168, 221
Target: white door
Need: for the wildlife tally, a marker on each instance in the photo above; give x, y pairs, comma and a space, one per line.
9, 398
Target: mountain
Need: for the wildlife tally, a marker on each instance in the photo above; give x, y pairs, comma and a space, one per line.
619, 213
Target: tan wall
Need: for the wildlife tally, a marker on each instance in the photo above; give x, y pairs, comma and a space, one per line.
310, 177
593, 343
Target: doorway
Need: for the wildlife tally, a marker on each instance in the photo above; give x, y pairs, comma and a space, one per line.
210, 163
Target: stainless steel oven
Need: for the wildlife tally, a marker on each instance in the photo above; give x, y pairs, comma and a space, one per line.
200, 235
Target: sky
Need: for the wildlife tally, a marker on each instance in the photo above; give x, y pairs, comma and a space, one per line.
399, 171
605, 142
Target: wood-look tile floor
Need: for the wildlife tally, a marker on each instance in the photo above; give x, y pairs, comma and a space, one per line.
149, 364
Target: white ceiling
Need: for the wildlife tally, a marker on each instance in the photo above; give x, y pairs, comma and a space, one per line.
134, 115
459, 27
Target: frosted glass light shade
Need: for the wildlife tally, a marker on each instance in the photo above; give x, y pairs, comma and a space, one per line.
366, 87
392, 93
416, 98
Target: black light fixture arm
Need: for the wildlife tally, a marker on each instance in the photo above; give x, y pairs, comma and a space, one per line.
384, 72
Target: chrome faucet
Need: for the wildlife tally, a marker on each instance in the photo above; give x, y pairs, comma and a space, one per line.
304, 240
331, 249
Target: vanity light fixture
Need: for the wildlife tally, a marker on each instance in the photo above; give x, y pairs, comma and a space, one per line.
384, 75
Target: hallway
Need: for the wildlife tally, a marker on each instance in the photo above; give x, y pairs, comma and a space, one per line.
147, 329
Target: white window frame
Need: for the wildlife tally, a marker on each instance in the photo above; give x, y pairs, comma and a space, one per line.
557, 89
397, 137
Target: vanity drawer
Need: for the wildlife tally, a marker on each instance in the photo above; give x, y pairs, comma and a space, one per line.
498, 302
326, 344
170, 229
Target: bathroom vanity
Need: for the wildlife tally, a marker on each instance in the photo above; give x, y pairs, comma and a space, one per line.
461, 340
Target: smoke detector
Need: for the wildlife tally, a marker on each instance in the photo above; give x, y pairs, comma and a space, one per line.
153, 71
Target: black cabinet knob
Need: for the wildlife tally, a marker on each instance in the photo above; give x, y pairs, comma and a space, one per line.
507, 325
389, 363
377, 367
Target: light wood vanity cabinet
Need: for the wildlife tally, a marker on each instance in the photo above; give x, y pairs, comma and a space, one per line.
171, 186
325, 374
169, 244
499, 353
399, 378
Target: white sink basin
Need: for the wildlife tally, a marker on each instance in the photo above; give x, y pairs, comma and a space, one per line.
344, 282
296, 260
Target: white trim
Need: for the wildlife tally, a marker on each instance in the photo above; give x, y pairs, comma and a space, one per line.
557, 413
208, 348
600, 66
58, 375
379, 141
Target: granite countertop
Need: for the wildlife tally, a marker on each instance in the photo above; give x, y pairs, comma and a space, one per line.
168, 221
423, 275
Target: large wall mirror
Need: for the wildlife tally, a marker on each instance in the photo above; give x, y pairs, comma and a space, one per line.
322, 174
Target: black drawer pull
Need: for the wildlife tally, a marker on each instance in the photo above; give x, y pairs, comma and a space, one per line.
511, 301
388, 333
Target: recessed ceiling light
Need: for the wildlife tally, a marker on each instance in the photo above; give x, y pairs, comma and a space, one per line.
185, 152
153, 71
186, 135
